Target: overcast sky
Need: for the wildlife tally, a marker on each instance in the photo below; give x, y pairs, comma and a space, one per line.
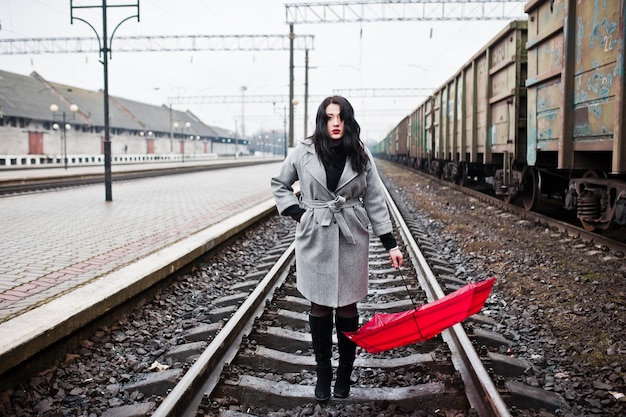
345, 57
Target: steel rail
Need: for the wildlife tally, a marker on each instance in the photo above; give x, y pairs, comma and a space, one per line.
570, 229
480, 389
204, 374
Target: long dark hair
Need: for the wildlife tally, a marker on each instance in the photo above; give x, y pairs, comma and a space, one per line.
351, 137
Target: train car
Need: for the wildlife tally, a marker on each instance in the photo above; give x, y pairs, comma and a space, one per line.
423, 137
397, 142
420, 131
402, 141
435, 166
538, 112
477, 124
576, 108
391, 144
386, 147
379, 148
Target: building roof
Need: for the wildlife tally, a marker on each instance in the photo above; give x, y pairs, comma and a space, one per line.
26, 97
30, 97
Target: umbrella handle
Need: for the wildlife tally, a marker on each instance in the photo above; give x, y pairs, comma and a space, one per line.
407, 288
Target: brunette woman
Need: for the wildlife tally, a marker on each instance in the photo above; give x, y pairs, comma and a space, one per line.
341, 201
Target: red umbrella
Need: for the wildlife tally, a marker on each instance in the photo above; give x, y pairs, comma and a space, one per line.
388, 331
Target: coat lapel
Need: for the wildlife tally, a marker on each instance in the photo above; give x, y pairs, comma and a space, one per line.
314, 167
347, 175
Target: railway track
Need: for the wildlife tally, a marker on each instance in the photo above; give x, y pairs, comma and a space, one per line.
609, 240
273, 368
266, 373
250, 351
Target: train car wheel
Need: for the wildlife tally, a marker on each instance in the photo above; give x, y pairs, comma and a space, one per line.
587, 226
530, 188
601, 225
590, 207
594, 173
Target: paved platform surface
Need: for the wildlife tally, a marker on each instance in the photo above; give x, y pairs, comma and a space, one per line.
56, 243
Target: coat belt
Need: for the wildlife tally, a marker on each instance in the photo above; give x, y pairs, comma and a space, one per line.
334, 211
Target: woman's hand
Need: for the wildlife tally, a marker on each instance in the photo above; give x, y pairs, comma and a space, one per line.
395, 256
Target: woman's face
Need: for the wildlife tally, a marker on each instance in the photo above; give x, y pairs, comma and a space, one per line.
334, 125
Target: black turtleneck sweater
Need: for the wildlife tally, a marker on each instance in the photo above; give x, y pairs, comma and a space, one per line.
334, 170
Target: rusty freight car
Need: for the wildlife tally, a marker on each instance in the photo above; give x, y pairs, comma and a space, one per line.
538, 112
576, 109
421, 140
478, 117
402, 141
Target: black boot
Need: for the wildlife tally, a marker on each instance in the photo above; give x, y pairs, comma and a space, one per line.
321, 334
347, 351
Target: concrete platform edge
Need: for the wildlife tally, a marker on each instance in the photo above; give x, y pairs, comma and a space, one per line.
31, 332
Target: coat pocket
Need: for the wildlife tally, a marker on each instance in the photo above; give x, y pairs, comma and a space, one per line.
361, 214
305, 219
305, 216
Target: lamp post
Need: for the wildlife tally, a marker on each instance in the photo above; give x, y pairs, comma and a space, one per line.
64, 127
285, 128
275, 140
243, 89
187, 126
284, 118
171, 132
105, 51
175, 127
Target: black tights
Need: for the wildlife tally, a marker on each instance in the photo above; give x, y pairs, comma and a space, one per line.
343, 311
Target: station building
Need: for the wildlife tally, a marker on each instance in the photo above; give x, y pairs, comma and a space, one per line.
47, 123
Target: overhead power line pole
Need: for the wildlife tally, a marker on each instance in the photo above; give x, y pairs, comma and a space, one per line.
291, 78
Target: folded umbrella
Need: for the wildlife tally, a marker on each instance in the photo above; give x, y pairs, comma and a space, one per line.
387, 331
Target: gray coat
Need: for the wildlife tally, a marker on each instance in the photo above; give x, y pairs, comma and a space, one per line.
332, 238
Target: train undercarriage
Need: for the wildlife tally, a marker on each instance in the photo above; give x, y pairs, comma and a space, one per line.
599, 201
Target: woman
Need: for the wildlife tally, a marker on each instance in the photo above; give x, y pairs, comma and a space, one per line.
341, 198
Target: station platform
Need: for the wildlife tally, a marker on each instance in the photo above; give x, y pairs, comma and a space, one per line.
71, 254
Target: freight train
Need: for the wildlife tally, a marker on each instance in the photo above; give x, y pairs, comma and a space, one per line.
537, 113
